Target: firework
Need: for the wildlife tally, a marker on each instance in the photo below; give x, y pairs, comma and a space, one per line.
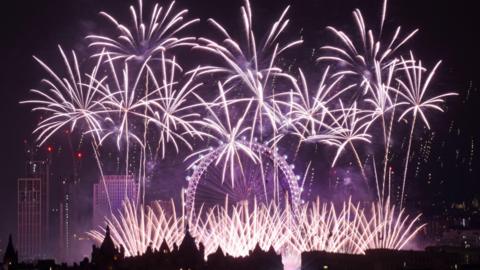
350, 127
380, 92
227, 135
173, 113
360, 58
322, 227
252, 65
306, 113
146, 37
123, 105
137, 97
238, 229
413, 89
70, 101
135, 228
387, 227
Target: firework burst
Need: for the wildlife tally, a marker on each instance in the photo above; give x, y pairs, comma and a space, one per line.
70, 101
147, 37
251, 65
360, 58
227, 134
413, 89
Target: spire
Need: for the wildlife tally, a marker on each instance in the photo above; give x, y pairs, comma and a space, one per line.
188, 243
10, 243
164, 247
107, 244
11, 256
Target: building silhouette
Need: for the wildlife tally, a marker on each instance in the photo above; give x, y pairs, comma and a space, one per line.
107, 255
189, 255
108, 196
33, 210
10, 258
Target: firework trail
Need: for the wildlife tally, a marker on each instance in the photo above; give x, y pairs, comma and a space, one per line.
170, 102
250, 64
361, 58
169, 108
226, 134
71, 102
307, 113
146, 37
128, 107
349, 127
413, 90
238, 229
387, 228
136, 227
383, 99
123, 107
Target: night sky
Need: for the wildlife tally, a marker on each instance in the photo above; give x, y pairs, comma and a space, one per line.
448, 31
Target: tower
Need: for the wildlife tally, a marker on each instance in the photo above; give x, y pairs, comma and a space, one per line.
33, 210
10, 258
65, 220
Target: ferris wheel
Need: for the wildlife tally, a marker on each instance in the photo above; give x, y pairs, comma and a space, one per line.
270, 179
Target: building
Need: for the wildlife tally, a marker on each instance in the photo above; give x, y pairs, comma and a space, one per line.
33, 210
109, 194
65, 220
460, 238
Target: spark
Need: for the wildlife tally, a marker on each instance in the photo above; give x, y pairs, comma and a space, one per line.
251, 64
227, 134
148, 36
137, 227
238, 229
350, 127
360, 58
388, 228
173, 113
413, 90
307, 113
69, 100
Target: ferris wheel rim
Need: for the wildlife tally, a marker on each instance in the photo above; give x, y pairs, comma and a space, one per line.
200, 169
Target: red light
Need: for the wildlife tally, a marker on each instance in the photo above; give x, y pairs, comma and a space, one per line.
50, 149
79, 155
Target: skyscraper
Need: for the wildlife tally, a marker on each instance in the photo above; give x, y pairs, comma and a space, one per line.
65, 224
108, 196
33, 210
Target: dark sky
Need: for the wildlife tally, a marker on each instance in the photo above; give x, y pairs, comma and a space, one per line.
449, 29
